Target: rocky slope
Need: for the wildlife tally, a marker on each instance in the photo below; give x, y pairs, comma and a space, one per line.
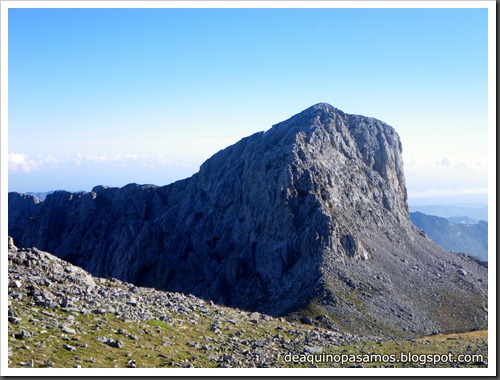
309, 216
470, 238
61, 316
62, 310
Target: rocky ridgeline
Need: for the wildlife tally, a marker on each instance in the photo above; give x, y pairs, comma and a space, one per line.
310, 215
56, 308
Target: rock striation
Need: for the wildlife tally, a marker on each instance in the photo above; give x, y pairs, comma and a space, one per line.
310, 215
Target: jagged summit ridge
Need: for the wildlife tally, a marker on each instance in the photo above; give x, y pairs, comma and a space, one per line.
319, 110
311, 212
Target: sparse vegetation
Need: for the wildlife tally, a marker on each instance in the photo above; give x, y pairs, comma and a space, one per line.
155, 344
151, 329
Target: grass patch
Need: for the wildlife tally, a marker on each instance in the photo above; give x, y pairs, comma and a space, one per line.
464, 350
160, 324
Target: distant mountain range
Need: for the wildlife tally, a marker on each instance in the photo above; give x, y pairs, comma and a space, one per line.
457, 234
42, 195
462, 220
479, 212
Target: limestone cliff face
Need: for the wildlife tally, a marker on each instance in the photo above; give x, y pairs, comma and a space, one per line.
311, 214
21, 207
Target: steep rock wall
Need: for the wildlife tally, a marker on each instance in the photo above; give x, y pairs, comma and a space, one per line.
311, 214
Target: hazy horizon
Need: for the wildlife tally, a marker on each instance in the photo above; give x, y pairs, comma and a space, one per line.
118, 96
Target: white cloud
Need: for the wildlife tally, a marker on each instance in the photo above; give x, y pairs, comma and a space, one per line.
451, 163
51, 159
448, 192
19, 162
445, 162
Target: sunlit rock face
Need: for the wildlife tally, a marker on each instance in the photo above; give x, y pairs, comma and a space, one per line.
309, 215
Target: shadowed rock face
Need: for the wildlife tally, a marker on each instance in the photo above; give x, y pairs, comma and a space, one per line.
311, 214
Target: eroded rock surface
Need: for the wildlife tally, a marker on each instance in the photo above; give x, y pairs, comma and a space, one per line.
311, 214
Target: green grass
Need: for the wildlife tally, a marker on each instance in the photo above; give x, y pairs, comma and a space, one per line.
163, 345
156, 323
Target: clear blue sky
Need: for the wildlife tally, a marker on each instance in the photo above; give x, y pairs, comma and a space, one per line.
113, 96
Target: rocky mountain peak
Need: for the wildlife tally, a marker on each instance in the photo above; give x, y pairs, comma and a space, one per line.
319, 110
324, 135
309, 215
